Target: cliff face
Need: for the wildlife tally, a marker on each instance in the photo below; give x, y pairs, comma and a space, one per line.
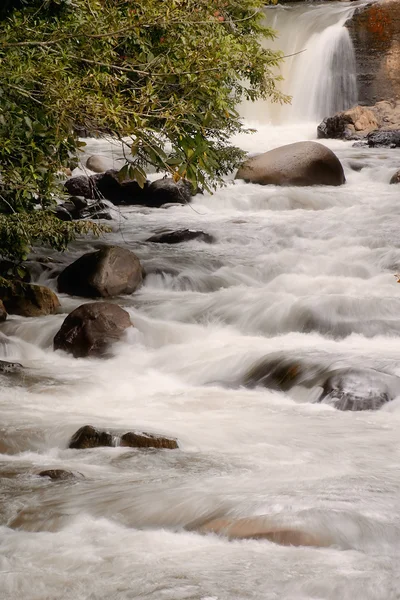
375, 31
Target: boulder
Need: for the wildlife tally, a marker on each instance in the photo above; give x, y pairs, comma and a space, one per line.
27, 299
141, 439
107, 272
299, 164
98, 163
3, 312
396, 177
109, 186
81, 186
91, 437
62, 213
57, 474
167, 191
182, 235
388, 138
90, 329
349, 124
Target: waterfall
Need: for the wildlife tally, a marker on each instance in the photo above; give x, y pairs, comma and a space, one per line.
319, 71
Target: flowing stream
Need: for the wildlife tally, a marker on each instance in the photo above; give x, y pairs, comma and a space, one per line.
306, 274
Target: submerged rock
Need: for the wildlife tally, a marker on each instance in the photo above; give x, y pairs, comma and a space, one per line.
356, 389
27, 299
396, 177
107, 272
299, 164
10, 367
58, 474
91, 437
182, 235
345, 389
90, 329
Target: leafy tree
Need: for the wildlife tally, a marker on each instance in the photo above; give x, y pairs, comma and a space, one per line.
159, 74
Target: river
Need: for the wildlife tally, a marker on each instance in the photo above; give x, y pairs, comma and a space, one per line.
304, 273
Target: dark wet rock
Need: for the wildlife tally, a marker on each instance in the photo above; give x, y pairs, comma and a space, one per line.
396, 177
167, 191
27, 299
110, 271
3, 312
81, 186
79, 202
10, 367
357, 389
275, 373
384, 139
90, 437
349, 124
299, 164
90, 329
108, 185
182, 235
58, 474
62, 213
136, 439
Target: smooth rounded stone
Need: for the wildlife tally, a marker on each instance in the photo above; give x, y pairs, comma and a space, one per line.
357, 389
90, 437
10, 367
79, 202
57, 474
182, 235
349, 124
396, 177
98, 163
90, 329
107, 272
167, 191
28, 300
299, 164
136, 439
3, 312
62, 213
262, 527
384, 139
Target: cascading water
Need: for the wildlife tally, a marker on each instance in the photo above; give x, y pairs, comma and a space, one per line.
319, 72
300, 277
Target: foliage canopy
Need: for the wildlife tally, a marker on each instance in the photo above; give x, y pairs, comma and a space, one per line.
157, 74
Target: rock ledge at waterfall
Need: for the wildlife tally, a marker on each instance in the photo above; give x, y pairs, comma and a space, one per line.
359, 122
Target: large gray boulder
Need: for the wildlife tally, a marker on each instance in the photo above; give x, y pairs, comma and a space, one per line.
90, 329
110, 271
299, 164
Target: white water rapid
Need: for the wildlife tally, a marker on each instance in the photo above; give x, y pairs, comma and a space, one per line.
306, 274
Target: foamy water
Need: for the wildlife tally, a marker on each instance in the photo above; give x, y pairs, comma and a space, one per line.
304, 273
